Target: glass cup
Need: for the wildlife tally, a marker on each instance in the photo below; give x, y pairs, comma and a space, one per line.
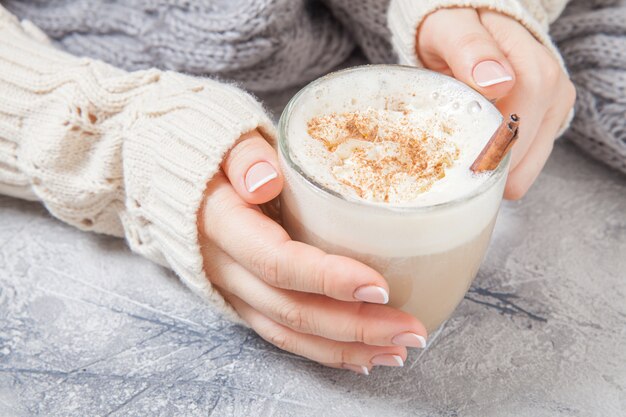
429, 255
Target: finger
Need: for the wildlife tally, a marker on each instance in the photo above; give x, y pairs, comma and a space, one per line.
531, 108
456, 38
538, 77
524, 175
353, 356
265, 249
319, 315
253, 170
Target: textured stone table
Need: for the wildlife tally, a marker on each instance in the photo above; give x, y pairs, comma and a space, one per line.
87, 328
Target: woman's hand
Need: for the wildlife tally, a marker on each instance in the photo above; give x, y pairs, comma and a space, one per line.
324, 307
498, 57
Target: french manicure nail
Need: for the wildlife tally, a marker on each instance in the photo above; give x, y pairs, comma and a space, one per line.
409, 339
372, 294
359, 369
386, 359
488, 73
258, 175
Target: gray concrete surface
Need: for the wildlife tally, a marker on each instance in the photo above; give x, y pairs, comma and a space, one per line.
87, 328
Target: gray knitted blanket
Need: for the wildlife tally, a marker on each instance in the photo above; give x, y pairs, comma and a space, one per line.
269, 45
591, 35
263, 45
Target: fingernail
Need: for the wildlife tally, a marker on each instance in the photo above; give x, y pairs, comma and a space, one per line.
387, 360
409, 339
258, 175
488, 73
359, 369
372, 294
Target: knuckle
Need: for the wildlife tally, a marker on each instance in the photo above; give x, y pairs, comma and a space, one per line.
360, 333
292, 315
344, 355
547, 78
267, 267
269, 270
279, 339
356, 328
323, 284
551, 72
217, 201
274, 267
473, 40
340, 353
240, 151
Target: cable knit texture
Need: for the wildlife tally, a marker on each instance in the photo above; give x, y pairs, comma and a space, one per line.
367, 23
262, 44
592, 37
125, 154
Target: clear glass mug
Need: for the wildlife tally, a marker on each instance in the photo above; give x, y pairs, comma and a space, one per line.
429, 255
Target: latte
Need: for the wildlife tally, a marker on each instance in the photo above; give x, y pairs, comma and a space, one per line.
377, 167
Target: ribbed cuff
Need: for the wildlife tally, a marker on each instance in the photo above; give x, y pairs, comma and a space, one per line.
186, 135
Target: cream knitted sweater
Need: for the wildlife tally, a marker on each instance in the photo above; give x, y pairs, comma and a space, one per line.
130, 153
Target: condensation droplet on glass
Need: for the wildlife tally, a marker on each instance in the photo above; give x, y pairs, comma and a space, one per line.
456, 105
319, 93
474, 107
435, 96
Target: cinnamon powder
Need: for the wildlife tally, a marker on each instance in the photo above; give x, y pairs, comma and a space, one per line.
381, 155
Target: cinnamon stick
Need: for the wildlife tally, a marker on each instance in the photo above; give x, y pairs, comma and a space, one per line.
498, 146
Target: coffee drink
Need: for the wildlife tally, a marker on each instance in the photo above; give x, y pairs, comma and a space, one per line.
377, 167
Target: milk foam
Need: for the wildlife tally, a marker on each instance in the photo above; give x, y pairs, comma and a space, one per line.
399, 230
437, 105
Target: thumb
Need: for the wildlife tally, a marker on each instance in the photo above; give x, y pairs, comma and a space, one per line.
252, 169
455, 40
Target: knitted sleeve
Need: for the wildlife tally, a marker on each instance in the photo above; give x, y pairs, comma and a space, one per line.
113, 152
